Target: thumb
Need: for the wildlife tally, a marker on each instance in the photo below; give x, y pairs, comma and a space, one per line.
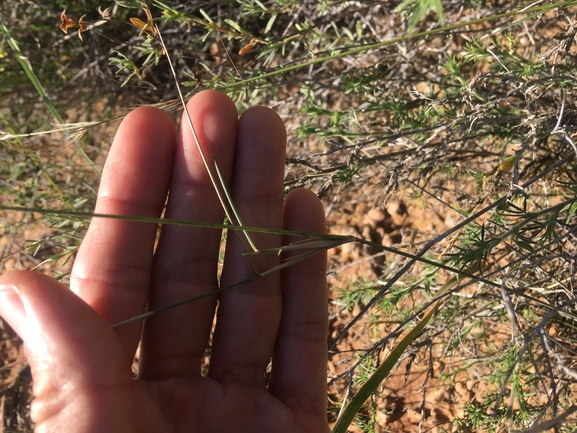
82, 378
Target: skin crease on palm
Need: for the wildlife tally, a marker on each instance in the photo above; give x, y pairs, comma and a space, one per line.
82, 366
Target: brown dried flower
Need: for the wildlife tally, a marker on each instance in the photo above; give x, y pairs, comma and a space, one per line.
106, 13
66, 23
82, 27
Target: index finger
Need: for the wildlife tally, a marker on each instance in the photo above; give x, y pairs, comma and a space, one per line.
112, 270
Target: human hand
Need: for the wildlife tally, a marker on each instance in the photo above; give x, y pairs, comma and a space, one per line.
82, 366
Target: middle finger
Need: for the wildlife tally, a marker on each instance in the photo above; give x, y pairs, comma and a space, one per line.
185, 263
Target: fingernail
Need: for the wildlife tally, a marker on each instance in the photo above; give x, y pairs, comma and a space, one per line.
12, 309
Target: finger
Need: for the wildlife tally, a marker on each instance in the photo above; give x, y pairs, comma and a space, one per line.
299, 367
112, 270
248, 315
186, 259
82, 377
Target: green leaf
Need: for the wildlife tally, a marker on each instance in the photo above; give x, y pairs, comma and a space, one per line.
234, 25
270, 23
571, 212
359, 29
419, 9
260, 5
206, 16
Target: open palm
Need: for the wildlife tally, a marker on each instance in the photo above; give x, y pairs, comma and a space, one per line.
82, 366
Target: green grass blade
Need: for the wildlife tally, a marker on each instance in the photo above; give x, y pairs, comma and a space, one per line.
238, 220
370, 386
87, 215
221, 289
